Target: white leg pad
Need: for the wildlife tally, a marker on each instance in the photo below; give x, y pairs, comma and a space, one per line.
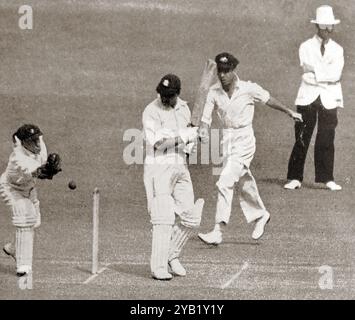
162, 210
38, 214
24, 248
178, 240
24, 213
192, 218
161, 237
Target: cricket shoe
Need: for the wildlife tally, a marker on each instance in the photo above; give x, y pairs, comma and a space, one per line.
331, 185
213, 237
292, 185
260, 226
162, 275
9, 250
23, 270
177, 268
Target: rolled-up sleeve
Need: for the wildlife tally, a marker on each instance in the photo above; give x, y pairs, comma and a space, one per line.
258, 93
208, 108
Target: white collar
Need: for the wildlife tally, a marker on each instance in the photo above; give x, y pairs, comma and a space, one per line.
320, 40
18, 147
179, 104
218, 84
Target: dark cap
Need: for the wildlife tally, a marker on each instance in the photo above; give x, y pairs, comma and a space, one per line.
226, 62
169, 85
27, 131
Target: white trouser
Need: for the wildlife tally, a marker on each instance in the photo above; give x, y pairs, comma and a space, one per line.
250, 201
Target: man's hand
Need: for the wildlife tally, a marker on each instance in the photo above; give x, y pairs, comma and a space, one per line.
191, 147
188, 134
296, 116
307, 68
203, 133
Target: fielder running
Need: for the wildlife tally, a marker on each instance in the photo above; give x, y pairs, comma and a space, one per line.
27, 162
167, 179
234, 101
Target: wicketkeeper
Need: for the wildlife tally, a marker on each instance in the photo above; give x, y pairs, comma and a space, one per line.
174, 214
27, 162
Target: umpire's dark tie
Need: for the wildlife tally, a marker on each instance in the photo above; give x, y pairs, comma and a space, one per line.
322, 48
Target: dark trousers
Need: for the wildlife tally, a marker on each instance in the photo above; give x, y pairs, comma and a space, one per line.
324, 144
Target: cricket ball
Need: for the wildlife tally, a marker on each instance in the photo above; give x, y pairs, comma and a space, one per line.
72, 185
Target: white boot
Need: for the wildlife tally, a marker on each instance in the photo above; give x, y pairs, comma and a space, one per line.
292, 185
214, 237
177, 268
331, 185
260, 226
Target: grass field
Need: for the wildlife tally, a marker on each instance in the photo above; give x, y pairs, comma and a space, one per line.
85, 73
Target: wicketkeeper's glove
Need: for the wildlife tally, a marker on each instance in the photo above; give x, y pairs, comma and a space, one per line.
51, 168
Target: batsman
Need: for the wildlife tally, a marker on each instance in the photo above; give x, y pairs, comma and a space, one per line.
27, 162
173, 212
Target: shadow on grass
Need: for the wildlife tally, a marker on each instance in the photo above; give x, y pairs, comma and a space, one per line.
276, 181
282, 182
137, 270
7, 269
205, 246
84, 270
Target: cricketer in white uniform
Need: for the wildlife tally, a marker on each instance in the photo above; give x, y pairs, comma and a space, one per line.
27, 162
234, 101
174, 214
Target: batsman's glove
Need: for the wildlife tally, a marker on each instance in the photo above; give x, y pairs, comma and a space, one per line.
50, 168
188, 134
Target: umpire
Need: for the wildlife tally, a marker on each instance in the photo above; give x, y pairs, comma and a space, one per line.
319, 97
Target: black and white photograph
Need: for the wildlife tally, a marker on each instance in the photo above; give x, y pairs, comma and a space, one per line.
177, 150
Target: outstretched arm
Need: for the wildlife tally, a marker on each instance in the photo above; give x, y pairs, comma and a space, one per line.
276, 104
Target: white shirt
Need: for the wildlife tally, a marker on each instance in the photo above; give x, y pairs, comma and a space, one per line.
161, 122
238, 111
22, 163
236, 114
325, 80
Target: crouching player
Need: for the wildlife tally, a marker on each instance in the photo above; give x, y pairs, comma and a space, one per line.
174, 214
27, 162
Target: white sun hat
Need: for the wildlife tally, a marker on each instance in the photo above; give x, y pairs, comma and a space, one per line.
325, 15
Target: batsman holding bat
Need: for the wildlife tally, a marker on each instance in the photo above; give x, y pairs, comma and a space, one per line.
234, 101
27, 162
173, 212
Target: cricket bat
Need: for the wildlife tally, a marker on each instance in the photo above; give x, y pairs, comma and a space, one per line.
208, 76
